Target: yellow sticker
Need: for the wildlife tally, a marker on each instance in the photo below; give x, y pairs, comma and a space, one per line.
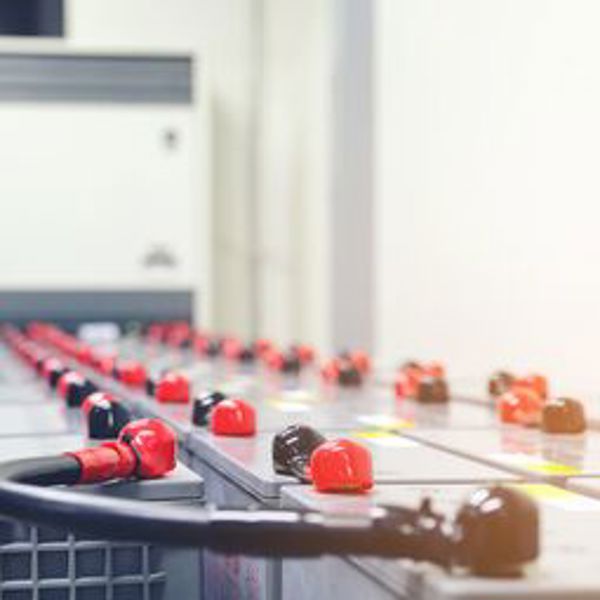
545, 491
535, 464
559, 497
372, 434
553, 469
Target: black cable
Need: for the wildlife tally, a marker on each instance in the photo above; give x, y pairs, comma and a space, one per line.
45, 470
495, 533
261, 532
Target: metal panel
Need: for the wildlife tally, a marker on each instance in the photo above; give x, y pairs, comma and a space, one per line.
88, 78
75, 306
42, 563
352, 181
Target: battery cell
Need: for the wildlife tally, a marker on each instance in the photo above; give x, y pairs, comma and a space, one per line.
34, 559
276, 409
565, 568
38, 419
239, 472
523, 451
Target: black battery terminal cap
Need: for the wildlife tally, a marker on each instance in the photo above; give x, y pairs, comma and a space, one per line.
247, 355
203, 406
291, 363
432, 390
348, 374
150, 386
54, 373
410, 364
500, 382
185, 343
39, 364
213, 348
78, 391
105, 416
292, 449
496, 532
563, 415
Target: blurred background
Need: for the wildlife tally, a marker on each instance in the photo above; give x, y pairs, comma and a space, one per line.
415, 178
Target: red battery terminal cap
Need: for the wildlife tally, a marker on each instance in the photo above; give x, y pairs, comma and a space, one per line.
200, 342
306, 354
178, 333
343, 371
69, 345
98, 360
285, 362
50, 365
155, 445
361, 361
262, 347
145, 449
410, 375
341, 466
406, 385
106, 365
413, 372
520, 406
233, 417
536, 383
274, 359
156, 332
433, 369
84, 353
232, 348
131, 372
330, 371
173, 388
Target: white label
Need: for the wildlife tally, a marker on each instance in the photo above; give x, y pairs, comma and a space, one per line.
385, 440
291, 407
384, 421
298, 396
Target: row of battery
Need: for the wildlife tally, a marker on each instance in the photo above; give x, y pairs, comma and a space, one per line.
41, 563
441, 451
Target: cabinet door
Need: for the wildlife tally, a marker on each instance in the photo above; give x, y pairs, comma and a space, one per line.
96, 196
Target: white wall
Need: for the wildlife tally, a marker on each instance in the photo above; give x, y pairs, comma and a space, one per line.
488, 188
271, 69
293, 176
221, 33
